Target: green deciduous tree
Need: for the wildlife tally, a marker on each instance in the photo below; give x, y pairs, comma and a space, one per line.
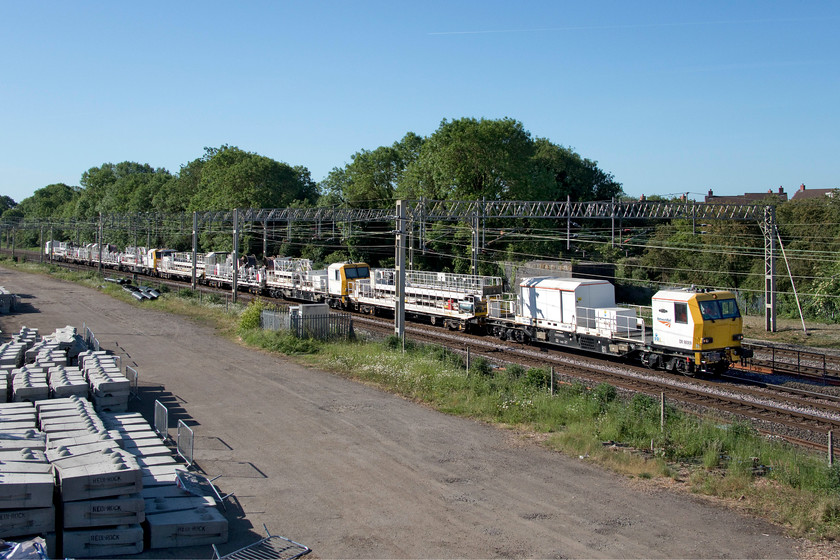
233, 178
52, 200
120, 188
6, 202
561, 172
469, 159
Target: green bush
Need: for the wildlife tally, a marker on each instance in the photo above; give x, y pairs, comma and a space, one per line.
516, 371
480, 367
537, 377
282, 341
604, 393
393, 342
445, 356
250, 318
643, 405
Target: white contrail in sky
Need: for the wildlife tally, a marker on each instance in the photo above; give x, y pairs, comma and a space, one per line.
629, 26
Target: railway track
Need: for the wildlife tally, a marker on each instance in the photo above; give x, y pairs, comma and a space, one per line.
786, 412
820, 367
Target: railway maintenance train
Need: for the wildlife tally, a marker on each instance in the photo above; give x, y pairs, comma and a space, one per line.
691, 331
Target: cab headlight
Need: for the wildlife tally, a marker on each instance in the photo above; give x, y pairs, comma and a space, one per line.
737, 337
707, 340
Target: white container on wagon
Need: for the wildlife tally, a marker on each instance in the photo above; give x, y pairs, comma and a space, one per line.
549, 302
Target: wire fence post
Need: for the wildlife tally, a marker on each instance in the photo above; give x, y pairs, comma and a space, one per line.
468, 359
662, 411
552, 381
830, 448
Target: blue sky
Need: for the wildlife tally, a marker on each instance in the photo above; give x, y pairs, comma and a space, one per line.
669, 97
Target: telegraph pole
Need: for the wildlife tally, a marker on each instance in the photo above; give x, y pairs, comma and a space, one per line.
399, 293
235, 253
265, 239
194, 248
475, 241
100, 243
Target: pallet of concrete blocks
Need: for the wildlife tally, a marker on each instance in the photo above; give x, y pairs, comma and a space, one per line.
68, 418
17, 416
27, 336
69, 345
66, 382
28, 469
110, 389
29, 383
32, 351
137, 437
98, 482
103, 509
12, 354
176, 517
93, 358
26, 479
8, 301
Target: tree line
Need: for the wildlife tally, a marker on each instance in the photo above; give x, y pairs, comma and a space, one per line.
464, 159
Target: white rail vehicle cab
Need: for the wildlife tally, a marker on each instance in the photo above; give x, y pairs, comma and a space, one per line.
58, 250
706, 327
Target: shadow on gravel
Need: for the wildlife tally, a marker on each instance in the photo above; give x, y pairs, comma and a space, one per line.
173, 403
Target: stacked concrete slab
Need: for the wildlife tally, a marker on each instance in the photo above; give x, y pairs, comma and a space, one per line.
98, 483
27, 335
29, 383
12, 354
66, 382
110, 389
8, 301
26, 479
68, 342
118, 485
174, 517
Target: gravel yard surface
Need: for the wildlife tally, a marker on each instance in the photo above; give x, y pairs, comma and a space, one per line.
354, 472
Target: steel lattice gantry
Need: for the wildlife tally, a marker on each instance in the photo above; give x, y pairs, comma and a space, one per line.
420, 211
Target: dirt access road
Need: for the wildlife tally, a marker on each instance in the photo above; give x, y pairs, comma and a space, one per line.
354, 472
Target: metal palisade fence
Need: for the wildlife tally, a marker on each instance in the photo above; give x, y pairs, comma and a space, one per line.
332, 326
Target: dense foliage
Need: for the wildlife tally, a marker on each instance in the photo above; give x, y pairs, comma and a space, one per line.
464, 159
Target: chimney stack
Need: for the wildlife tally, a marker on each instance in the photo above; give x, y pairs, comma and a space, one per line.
802, 187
